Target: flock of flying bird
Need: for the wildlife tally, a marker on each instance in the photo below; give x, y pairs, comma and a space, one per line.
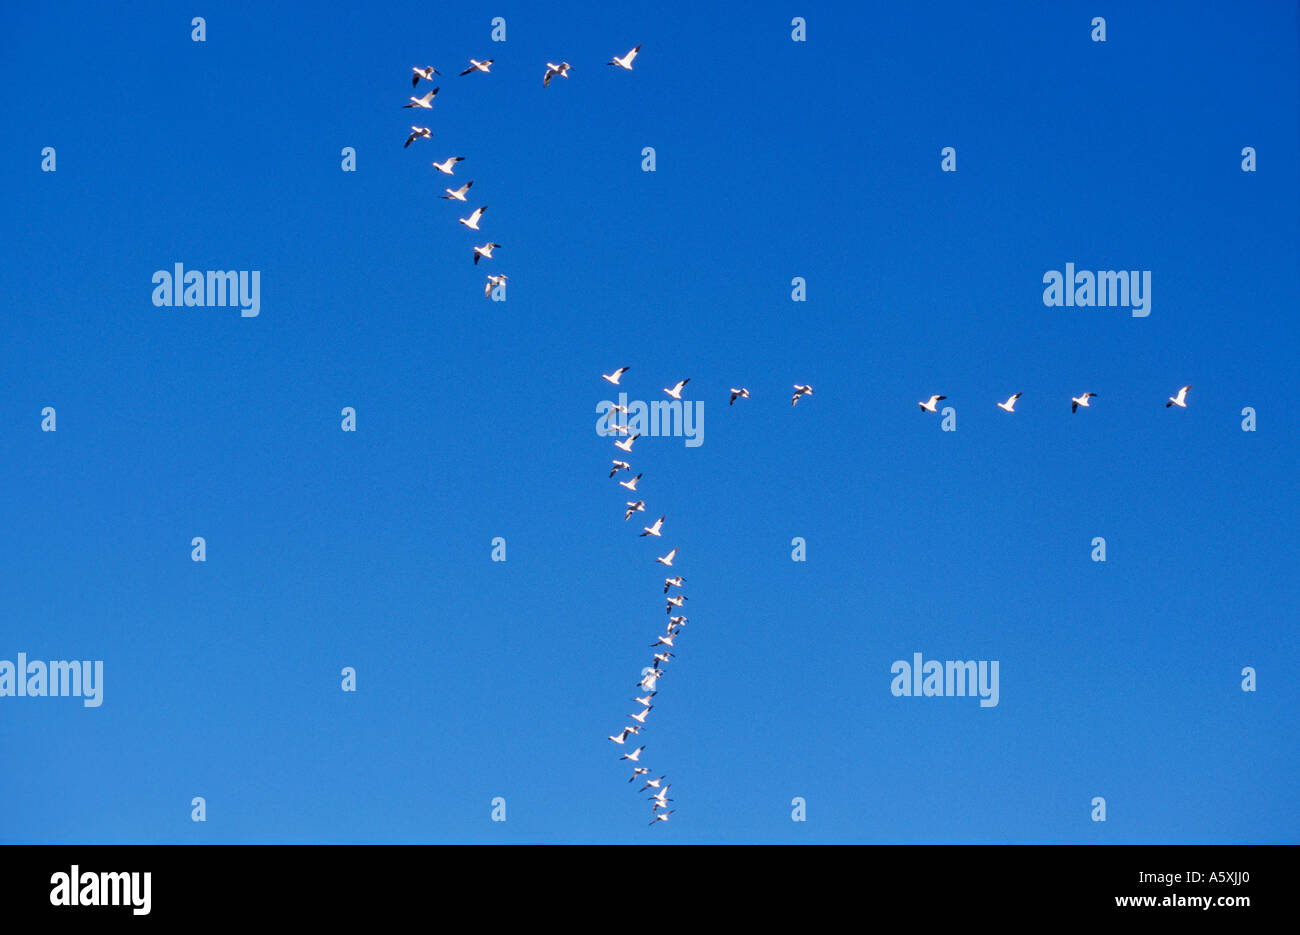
665, 642
447, 166
932, 404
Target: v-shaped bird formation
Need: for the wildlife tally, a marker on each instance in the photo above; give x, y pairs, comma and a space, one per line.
448, 166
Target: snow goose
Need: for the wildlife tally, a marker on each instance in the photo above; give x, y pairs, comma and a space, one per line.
626, 60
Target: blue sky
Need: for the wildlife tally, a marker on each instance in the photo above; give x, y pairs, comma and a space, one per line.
475, 419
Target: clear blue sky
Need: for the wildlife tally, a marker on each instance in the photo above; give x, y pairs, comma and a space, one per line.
775, 159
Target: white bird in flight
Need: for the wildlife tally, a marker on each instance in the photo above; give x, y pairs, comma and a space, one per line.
426, 73
472, 221
640, 718
418, 133
741, 393
665, 640
638, 771
930, 405
552, 70
638, 507
446, 166
475, 65
622, 737
1180, 400
620, 466
1077, 401
493, 282
634, 756
645, 702
800, 390
630, 484
627, 444
662, 657
662, 816
652, 784
675, 623
653, 530
484, 251
614, 377
1010, 404
673, 583
426, 102
457, 194
626, 60
667, 560
676, 391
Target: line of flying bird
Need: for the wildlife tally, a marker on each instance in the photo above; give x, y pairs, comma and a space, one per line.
665, 642
675, 392
447, 166
801, 390
1076, 402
